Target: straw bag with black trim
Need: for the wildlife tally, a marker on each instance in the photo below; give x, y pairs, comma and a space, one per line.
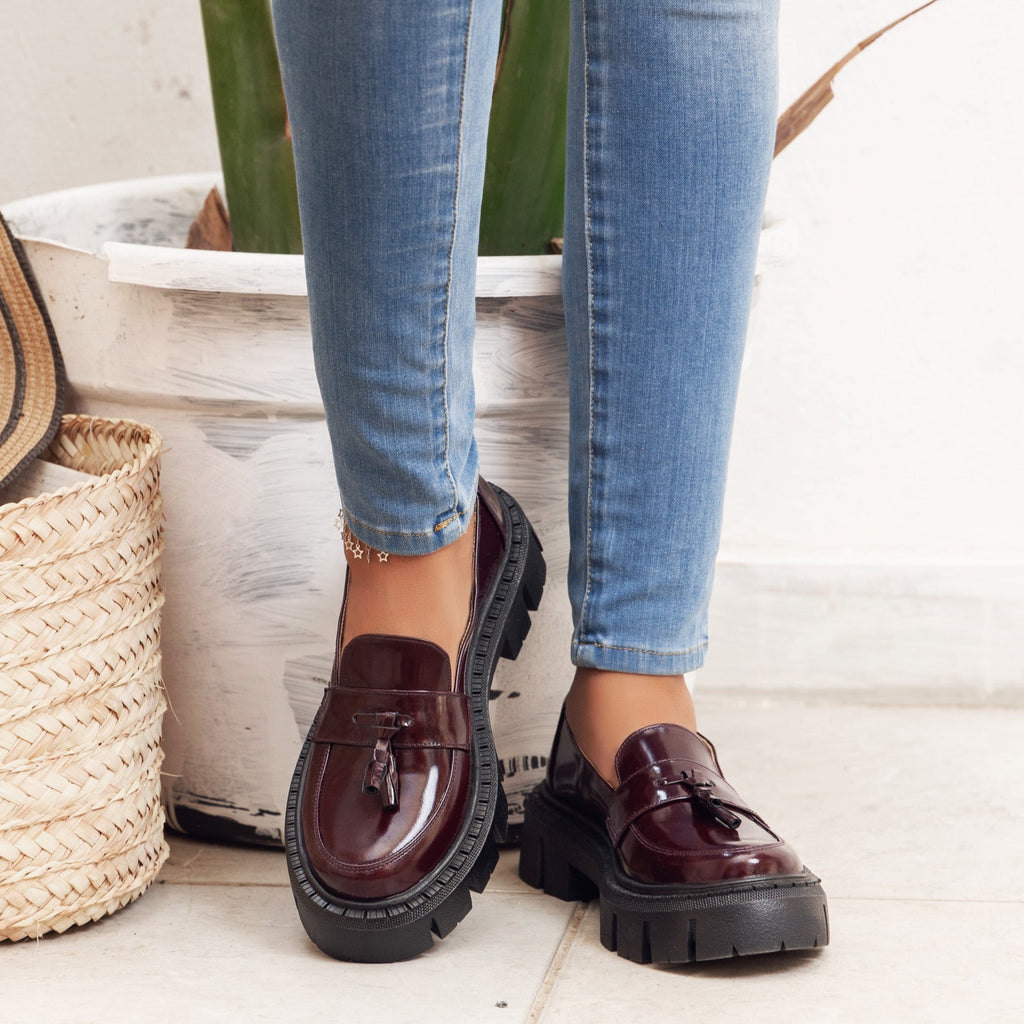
81, 699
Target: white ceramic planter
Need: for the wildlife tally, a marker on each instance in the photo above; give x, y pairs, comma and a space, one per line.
213, 350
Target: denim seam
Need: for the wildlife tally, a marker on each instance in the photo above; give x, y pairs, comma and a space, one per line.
451, 262
591, 332
717, 111
454, 517
642, 650
349, 518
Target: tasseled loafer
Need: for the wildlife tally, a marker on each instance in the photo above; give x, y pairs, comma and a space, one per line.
396, 808
683, 868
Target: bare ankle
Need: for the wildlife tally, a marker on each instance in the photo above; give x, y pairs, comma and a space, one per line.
423, 596
603, 708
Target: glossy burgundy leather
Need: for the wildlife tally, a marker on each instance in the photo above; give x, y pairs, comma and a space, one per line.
668, 829
358, 848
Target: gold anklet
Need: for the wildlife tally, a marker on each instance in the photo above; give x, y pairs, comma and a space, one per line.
354, 546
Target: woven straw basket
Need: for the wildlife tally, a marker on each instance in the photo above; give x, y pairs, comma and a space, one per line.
81, 700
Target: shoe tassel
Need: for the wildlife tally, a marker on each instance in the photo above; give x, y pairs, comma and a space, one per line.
381, 777
700, 789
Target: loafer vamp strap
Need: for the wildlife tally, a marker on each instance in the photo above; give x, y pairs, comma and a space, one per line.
670, 782
425, 718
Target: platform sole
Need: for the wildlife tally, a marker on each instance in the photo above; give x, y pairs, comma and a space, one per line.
568, 857
405, 925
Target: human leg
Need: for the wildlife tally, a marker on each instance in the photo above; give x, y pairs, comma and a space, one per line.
389, 125
388, 128
396, 802
669, 150
672, 108
671, 123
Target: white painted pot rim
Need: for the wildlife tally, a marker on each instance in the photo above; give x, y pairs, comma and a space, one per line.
170, 267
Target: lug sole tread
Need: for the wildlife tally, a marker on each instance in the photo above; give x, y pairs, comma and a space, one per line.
567, 857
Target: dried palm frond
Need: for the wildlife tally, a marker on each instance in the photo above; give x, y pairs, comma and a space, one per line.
800, 114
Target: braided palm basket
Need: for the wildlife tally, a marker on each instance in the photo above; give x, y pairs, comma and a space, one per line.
81, 700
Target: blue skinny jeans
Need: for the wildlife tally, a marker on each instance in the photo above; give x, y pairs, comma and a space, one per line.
670, 130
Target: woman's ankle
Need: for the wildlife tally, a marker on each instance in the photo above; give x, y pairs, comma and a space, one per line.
603, 708
428, 597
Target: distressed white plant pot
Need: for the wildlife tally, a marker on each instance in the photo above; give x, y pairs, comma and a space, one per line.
213, 349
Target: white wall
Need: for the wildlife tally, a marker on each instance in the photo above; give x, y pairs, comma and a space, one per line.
94, 90
881, 417
874, 538
874, 524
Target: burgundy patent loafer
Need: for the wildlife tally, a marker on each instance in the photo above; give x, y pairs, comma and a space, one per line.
396, 808
683, 868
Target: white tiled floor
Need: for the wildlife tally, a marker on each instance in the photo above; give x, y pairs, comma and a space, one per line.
914, 818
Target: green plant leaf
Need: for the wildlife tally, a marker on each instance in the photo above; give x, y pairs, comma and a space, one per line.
252, 126
524, 184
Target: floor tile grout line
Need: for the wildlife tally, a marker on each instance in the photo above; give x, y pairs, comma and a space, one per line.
568, 940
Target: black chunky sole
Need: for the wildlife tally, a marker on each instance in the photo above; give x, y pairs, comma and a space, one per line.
403, 926
567, 856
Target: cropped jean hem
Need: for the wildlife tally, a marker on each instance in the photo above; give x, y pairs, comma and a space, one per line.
635, 660
449, 527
